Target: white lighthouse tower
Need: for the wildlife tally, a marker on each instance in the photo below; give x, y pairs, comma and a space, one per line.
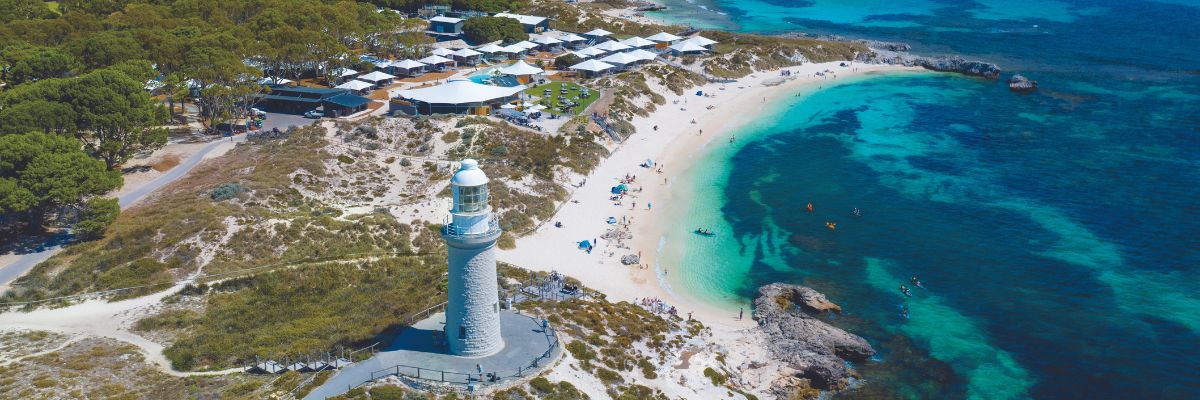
473, 307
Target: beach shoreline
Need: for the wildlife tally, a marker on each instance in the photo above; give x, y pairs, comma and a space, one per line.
686, 128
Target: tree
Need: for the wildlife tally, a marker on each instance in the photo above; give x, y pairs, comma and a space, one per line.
490, 29
32, 63
24, 9
107, 48
97, 215
41, 173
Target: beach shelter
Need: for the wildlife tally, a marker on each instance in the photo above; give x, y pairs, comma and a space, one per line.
687, 48
466, 56
642, 55
592, 67
637, 43
663, 37
436, 62
620, 59
442, 52
612, 46
355, 86
589, 52
378, 78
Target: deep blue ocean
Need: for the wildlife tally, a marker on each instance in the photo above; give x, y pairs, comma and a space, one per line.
1057, 233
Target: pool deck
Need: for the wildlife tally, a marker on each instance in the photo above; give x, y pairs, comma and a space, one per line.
415, 354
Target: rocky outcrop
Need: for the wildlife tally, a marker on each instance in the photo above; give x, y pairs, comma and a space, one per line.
897, 54
787, 315
1019, 83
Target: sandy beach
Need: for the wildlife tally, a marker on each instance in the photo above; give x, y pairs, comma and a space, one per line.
674, 146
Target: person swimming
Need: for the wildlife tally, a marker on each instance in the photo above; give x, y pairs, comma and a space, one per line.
916, 282
904, 312
904, 289
857, 212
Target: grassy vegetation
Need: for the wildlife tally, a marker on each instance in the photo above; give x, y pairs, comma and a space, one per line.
304, 311
738, 55
554, 102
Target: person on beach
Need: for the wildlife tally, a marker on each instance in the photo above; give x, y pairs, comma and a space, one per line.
656, 128
740, 311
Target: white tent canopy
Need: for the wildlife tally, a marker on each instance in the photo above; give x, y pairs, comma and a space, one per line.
513, 49
459, 91
408, 64
442, 52
377, 76
642, 55
571, 37
612, 46
271, 80
685, 46
434, 60
663, 37
620, 59
589, 52
701, 40
598, 32
547, 40
466, 53
592, 65
344, 72
491, 48
355, 85
521, 68
637, 42
524, 19
524, 44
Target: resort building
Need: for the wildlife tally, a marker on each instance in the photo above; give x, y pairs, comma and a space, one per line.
531, 23
301, 99
457, 96
442, 24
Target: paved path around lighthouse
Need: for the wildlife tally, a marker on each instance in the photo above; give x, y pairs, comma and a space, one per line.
524, 341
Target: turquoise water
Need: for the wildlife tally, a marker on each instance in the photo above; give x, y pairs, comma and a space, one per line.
1057, 232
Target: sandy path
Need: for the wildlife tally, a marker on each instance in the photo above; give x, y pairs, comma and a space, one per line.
675, 145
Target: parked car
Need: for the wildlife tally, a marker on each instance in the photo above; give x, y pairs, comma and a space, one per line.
258, 113
314, 114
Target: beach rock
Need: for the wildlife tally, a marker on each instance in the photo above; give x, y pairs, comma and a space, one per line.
630, 259
795, 336
885, 55
1019, 83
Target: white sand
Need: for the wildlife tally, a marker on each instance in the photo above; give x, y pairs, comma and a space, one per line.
673, 145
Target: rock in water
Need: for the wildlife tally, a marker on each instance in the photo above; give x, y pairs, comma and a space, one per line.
1019, 83
807, 344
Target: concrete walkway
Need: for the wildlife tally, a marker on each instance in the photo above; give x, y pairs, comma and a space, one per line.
20, 265
416, 353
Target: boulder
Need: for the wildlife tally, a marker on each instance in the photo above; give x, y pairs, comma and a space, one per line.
630, 259
795, 336
1019, 83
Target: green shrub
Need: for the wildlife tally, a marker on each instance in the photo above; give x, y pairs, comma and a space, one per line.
386, 393
541, 384
717, 378
226, 191
345, 159
608, 376
98, 214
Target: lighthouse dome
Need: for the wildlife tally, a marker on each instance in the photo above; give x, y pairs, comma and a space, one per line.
469, 174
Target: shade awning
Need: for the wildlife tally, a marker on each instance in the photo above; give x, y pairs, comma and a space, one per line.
521, 68
459, 91
592, 65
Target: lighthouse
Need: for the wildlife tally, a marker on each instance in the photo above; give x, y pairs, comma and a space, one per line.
473, 306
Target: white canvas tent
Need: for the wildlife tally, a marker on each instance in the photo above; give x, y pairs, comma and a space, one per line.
637, 42
663, 37
611, 46
521, 68
376, 77
592, 66
621, 59
701, 40
355, 85
589, 52
642, 55
687, 47
458, 96
598, 33
442, 52
490, 48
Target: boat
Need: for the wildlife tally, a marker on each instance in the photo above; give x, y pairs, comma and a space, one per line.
704, 232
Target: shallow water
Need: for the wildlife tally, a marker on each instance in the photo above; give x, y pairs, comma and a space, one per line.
1057, 232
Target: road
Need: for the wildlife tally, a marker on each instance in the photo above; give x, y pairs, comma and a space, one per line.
24, 262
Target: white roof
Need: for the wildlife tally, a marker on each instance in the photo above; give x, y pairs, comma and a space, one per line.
701, 40
442, 52
524, 44
377, 76
435, 60
663, 37
512, 49
571, 37
620, 58
469, 174
491, 48
524, 19
466, 53
590, 52
408, 64
637, 42
459, 91
598, 32
592, 65
642, 55
441, 18
274, 81
521, 68
547, 40
686, 46
355, 85
612, 46
344, 72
